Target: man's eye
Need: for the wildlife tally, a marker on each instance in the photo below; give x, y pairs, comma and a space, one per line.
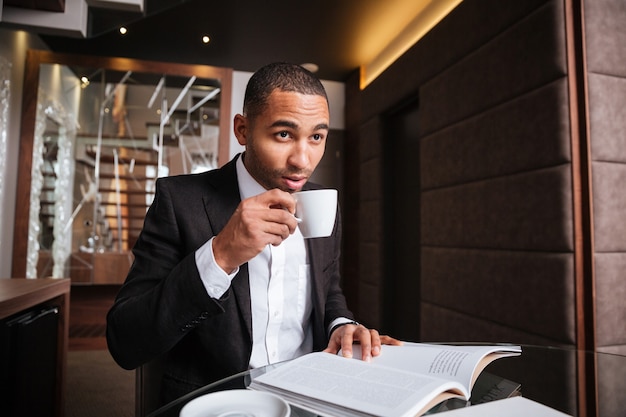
318, 137
283, 134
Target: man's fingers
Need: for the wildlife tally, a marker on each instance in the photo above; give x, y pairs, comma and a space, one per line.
274, 209
347, 338
281, 222
253, 226
359, 334
388, 340
367, 340
277, 199
375, 342
263, 219
370, 341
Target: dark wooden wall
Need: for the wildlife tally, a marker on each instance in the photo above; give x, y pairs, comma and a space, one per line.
496, 240
519, 157
605, 76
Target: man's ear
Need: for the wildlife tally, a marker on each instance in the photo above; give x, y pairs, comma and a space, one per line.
240, 127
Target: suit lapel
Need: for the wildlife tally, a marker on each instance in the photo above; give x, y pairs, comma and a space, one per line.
314, 249
317, 291
222, 196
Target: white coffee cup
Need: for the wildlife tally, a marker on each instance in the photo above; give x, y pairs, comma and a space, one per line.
316, 210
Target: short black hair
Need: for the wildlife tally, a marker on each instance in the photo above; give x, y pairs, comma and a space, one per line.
282, 76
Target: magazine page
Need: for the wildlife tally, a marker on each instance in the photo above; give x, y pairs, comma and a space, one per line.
462, 363
319, 380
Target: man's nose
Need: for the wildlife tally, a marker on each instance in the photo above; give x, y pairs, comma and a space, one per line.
299, 156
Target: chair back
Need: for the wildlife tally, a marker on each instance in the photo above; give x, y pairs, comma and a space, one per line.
148, 387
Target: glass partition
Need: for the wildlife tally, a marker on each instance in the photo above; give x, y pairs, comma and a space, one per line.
102, 135
5, 97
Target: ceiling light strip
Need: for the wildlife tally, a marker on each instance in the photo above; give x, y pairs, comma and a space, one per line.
432, 14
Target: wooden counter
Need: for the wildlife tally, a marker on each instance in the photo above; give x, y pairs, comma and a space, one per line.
100, 268
18, 294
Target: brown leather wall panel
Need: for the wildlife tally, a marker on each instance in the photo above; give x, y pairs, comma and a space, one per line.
471, 26
609, 198
514, 290
527, 212
605, 36
606, 54
611, 399
497, 226
502, 253
520, 59
611, 299
607, 101
531, 132
494, 160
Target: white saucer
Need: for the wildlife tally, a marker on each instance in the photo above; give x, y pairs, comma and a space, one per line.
236, 403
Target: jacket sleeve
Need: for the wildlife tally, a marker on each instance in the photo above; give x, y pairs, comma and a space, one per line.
163, 296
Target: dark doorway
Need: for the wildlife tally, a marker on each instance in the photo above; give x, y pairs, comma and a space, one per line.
402, 222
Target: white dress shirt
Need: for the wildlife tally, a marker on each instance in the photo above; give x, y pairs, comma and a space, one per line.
280, 290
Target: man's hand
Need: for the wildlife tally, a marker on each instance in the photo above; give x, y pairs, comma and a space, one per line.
258, 221
369, 339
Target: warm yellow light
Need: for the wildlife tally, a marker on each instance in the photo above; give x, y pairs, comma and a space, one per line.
205, 39
431, 14
123, 30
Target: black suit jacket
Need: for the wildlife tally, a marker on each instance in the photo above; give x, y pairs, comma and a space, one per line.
163, 308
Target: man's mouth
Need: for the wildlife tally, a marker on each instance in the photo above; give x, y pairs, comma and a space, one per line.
295, 183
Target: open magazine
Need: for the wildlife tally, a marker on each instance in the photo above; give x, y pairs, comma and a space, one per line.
403, 381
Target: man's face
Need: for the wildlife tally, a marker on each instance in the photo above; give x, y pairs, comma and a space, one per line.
285, 143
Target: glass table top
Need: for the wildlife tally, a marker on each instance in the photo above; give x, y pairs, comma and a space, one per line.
577, 383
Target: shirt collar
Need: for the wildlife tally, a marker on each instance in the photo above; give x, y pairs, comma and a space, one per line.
248, 186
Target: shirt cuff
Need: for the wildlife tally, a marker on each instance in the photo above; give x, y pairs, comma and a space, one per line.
215, 279
338, 322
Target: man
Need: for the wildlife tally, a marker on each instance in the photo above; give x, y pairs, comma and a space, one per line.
223, 279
